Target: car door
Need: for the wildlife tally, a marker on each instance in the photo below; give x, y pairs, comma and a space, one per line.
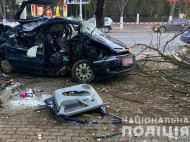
19, 60
176, 25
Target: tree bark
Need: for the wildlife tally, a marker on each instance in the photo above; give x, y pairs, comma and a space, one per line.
100, 14
3, 9
122, 4
172, 10
181, 8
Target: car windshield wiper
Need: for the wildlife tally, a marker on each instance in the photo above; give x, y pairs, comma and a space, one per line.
93, 30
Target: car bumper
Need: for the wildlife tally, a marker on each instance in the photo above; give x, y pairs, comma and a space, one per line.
185, 38
114, 65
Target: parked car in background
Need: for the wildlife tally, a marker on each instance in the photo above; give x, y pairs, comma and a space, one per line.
174, 25
185, 37
5, 25
108, 22
56, 46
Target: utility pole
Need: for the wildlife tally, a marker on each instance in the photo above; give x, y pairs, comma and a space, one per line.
81, 8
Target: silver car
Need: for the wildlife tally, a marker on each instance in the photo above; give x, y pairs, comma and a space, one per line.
108, 22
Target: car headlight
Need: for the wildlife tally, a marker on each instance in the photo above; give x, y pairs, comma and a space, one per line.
129, 49
156, 29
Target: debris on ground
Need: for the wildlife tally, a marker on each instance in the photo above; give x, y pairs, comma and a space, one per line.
29, 93
8, 89
16, 102
183, 55
77, 99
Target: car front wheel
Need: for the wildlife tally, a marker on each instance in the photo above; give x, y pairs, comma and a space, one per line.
82, 72
5, 66
162, 29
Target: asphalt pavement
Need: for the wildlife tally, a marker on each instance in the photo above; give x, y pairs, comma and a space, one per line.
149, 38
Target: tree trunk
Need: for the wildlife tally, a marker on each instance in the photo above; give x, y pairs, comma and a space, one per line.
100, 14
187, 8
181, 9
121, 19
172, 10
122, 4
3, 9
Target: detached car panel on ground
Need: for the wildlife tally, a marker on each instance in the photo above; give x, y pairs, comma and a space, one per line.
56, 46
174, 25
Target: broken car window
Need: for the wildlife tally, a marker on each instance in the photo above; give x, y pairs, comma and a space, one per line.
58, 34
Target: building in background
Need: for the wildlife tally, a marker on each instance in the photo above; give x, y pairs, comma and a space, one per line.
57, 11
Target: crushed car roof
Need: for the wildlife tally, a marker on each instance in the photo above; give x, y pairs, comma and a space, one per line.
41, 23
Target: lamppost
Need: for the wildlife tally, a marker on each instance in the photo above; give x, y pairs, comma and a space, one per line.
81, 8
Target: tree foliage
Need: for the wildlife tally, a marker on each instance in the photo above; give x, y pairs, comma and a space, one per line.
122, 4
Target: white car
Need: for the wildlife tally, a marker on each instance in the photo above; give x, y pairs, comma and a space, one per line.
107, 23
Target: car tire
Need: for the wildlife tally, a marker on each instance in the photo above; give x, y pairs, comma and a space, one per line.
162, 29
82, 72
5, 66
106, 29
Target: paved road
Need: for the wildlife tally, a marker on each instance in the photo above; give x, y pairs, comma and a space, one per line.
146, 38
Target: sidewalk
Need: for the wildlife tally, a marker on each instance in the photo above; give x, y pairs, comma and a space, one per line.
20, 124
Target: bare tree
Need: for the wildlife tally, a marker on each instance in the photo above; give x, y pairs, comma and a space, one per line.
122, 4
184, 5
172, 10
187, 7
100, 14
167, 66
3, 9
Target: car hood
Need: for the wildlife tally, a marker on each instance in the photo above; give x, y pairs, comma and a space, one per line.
97, 35
113, 43
40, 2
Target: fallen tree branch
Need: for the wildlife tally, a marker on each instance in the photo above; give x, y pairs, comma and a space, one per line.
167, 57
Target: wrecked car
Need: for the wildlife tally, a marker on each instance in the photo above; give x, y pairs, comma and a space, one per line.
56, 46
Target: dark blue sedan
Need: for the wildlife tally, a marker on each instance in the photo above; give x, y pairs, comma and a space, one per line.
56, 46
185, 37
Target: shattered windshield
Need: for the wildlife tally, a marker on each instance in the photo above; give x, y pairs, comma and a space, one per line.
107, 39
90, 28
31, 26
86, 26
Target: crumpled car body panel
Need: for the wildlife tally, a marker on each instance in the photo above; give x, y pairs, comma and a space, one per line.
62, 49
